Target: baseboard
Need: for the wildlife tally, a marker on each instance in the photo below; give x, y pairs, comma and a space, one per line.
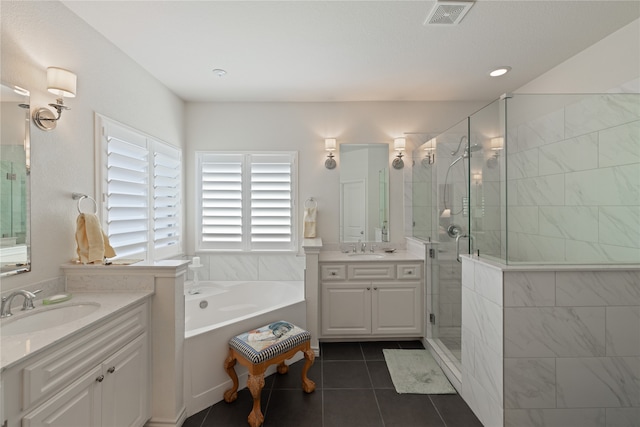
163, 422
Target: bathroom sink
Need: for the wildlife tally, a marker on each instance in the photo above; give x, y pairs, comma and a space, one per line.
40, 319
366, 256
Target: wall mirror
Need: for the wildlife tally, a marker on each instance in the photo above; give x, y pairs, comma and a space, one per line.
364, 192
14, 181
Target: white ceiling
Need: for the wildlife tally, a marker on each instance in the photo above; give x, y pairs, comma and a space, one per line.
349, 50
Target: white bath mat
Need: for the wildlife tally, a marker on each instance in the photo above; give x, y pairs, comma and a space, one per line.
416, 372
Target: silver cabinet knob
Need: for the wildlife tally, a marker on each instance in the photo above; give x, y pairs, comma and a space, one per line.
100, 378
111, 370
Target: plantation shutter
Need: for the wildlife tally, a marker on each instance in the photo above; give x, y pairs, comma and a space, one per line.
167, 203
271, 202
246, 201
221, 201
141, 185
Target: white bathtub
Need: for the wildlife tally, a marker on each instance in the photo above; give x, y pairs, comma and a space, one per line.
217, 311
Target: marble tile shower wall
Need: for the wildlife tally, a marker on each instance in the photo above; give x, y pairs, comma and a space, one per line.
573, 183
250, 267
572, 348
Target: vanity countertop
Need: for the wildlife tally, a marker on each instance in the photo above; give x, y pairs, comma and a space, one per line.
19, 346
337, 256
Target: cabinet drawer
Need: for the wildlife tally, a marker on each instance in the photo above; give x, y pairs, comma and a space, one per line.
59, 368
409, 271
333, 272
360, 271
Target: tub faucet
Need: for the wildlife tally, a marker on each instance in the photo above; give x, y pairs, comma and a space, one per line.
5, 308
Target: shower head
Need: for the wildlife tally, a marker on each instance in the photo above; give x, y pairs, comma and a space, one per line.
453, 153
469, 150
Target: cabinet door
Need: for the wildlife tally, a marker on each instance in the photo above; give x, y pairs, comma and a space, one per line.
396, 308
78, 405
346, 309
125, 389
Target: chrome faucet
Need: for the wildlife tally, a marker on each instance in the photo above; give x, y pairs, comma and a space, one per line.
372, 248
363, 246
5, 308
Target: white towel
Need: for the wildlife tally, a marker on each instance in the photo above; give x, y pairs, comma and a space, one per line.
93, 244
310, 223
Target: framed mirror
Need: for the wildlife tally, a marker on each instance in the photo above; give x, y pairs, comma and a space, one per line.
364, 192
14, 181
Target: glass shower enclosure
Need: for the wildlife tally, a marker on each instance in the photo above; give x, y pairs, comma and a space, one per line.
526, 180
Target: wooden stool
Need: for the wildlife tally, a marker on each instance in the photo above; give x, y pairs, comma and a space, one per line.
261, 348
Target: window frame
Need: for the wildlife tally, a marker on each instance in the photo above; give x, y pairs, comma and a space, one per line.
246, 245
157, 186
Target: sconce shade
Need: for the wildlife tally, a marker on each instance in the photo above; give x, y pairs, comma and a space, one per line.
399, 144
497, 143
61, 82
330, 144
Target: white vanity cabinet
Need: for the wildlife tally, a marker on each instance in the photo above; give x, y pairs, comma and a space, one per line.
99, 377
371, 299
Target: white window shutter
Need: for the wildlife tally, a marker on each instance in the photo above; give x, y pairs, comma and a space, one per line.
271, 202
167, 203
246, 201
141, 185
127, 194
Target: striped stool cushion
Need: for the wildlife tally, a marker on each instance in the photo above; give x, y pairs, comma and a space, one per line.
269, 341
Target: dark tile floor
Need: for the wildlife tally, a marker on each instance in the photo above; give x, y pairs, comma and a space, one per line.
353, 389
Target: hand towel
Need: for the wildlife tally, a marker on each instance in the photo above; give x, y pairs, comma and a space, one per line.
93, 244
310, 223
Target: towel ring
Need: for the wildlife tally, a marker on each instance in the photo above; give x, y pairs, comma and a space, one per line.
80, 197
310, 203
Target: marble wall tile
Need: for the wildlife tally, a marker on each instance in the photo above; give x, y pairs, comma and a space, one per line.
534, 248
488, 282
234, 267
523, 164
598, 382
542, 130
554, 331
489, 369
487, 408
569, 155
544, 190
618, 225
597, 288
281, 267
594, 113
619, 145
483, 318
596, 253
468, 273
615, 186
623, 331
467, 356
523, 219
623, 417
555, 418
529, 289
569, 222
530, 383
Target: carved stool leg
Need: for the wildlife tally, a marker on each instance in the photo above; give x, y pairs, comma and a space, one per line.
307, 385
283, 368
229, 364
255, 384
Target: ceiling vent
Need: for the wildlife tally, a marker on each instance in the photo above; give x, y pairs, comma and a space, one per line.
448, 12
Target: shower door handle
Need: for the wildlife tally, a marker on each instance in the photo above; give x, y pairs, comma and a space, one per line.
463, 236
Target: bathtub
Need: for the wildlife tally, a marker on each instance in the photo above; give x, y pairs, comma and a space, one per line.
217, 311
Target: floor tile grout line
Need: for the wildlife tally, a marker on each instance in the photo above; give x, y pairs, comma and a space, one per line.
437, 411
375, 395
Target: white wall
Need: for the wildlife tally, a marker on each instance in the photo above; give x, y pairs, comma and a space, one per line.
36, 35
611, 63
303, 127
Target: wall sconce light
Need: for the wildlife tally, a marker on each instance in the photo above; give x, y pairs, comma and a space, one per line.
61, 83
497, 144
330, 146
429, 147
477, 177
399, 144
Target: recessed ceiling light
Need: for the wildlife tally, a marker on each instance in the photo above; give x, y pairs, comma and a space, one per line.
500, 71
219, 72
